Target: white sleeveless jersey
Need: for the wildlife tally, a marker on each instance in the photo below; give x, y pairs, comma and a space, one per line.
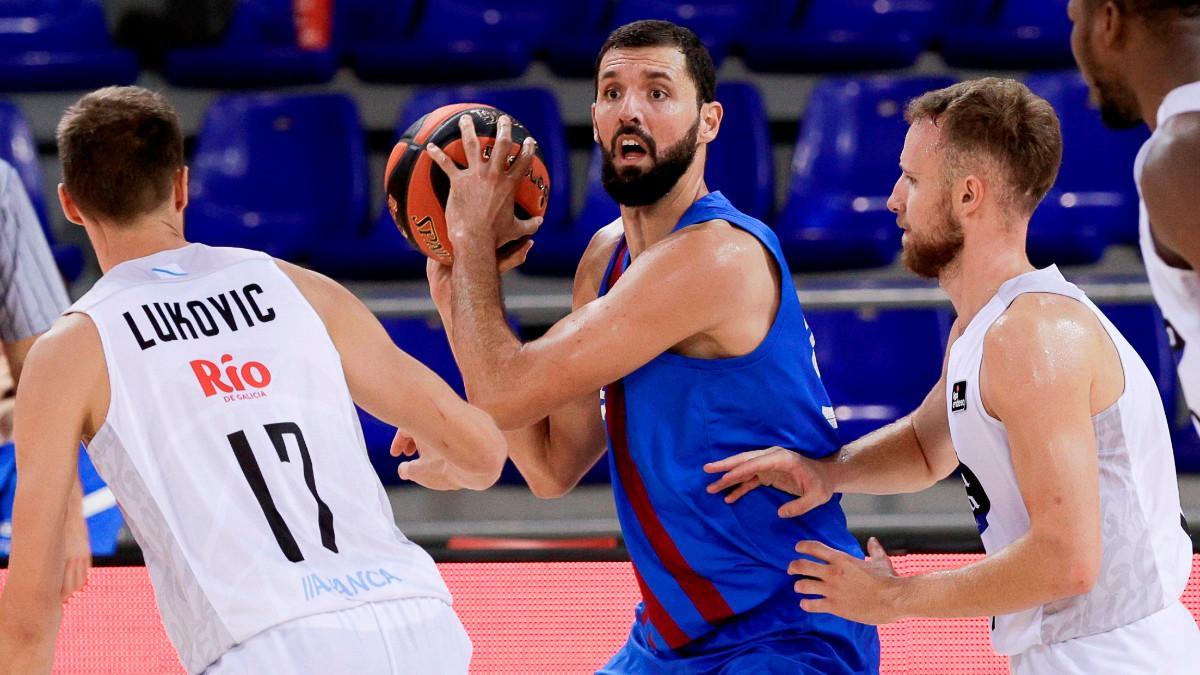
1147, 554
234, 450
1177, 291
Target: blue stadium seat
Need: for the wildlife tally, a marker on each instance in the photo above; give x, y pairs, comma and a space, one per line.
1094, 200
424, 340
1142, 326
571, 51
281, 174
740, 161
841, 35
740, 165
17, 147
49, 45
260, 49
459, 40
1019, 34
844, 167
878, 365
718, 23
382, 253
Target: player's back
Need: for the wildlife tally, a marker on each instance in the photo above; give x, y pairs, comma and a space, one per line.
233, 447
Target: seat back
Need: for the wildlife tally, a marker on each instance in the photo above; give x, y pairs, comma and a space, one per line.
279, 173
530, 20
918, 16
52, 25
740, 161
851, 137
880, 356
1141, 325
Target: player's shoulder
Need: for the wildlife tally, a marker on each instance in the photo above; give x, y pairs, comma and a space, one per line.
1041, 329
1174, 154
72, 345
317, 288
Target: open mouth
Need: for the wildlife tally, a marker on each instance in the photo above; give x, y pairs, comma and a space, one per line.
631, 148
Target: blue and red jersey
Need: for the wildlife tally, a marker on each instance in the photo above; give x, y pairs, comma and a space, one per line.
701, 562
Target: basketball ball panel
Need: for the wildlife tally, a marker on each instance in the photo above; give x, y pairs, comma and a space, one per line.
439, 122
425, 214
418, 189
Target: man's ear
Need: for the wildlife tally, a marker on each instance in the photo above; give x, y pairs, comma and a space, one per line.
711, 115
69, 208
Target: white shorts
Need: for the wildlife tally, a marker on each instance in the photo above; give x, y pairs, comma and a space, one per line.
416, 635
1166, 642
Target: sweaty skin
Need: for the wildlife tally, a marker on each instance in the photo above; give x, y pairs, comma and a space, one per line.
1048, 367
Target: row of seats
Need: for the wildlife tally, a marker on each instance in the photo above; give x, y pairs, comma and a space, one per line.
288, 174
877, 365
64, 44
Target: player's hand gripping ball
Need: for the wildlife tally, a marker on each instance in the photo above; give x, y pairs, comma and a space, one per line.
417, 188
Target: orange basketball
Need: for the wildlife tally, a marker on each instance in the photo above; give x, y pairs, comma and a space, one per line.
417, 188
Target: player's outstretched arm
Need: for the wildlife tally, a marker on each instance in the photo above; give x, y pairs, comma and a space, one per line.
1037, 379
908, 455
62, 399
1170, 178
462, 446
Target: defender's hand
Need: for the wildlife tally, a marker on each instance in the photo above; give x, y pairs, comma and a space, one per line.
776, 467
867, 591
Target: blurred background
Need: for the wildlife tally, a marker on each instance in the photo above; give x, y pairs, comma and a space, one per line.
290, 107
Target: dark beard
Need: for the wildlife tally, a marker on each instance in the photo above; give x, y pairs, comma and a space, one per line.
634, 187
1113, 113
928, 257
1118, 106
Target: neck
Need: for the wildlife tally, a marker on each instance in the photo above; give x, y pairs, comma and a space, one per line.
979, 271
117, 243
647, 225
1174, 63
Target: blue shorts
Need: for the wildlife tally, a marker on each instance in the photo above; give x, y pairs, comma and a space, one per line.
766, 640
103, 518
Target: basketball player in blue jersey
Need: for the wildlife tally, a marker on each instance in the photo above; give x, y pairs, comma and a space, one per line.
686, 344
1053, 420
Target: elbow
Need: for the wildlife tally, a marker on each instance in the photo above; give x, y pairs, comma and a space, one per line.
1078, 577
550, 487
1077, 571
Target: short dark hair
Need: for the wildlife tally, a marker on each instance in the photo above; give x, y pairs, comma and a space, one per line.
120, 149
655, 33
1003, 120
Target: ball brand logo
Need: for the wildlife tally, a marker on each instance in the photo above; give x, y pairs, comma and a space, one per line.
237, 382
424, 227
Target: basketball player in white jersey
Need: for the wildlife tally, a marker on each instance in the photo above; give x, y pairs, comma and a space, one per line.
1054, 420
215, 390
1141, 59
